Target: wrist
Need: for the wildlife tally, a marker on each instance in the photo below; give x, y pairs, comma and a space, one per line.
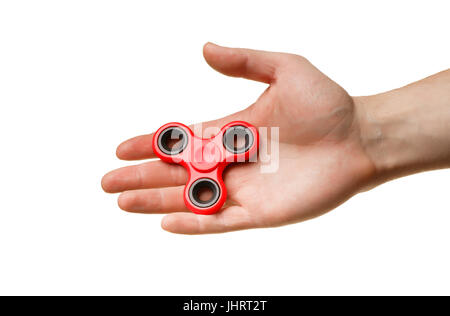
381, 134
406, 130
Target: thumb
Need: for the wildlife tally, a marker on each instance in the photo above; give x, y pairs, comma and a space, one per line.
239, 62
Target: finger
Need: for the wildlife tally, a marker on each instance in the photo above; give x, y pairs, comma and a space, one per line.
140, 147
229, 219
136, 148
239, 62
152, 174
153, 201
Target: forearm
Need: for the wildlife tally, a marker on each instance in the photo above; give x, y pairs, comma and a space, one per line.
407, 130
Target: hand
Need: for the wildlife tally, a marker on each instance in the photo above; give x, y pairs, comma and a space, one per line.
322, 161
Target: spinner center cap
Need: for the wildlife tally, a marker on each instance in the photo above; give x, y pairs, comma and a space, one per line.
206, 157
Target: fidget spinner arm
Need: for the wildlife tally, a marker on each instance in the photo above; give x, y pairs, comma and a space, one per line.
205, 159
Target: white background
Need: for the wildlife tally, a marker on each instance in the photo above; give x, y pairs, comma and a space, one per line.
78, 77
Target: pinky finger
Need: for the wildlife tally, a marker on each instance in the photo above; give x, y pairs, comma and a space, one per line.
229, 219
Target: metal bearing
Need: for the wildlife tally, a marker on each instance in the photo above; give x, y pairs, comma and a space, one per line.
171, 134
232, 134
198, 186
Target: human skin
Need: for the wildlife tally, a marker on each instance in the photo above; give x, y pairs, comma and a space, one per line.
331, 146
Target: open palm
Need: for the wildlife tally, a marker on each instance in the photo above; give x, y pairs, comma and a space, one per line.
321, 161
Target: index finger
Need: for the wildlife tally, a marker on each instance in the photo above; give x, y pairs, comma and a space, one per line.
140, 147
136, 148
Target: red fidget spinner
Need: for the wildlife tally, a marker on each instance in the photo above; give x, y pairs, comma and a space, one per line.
205, 159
